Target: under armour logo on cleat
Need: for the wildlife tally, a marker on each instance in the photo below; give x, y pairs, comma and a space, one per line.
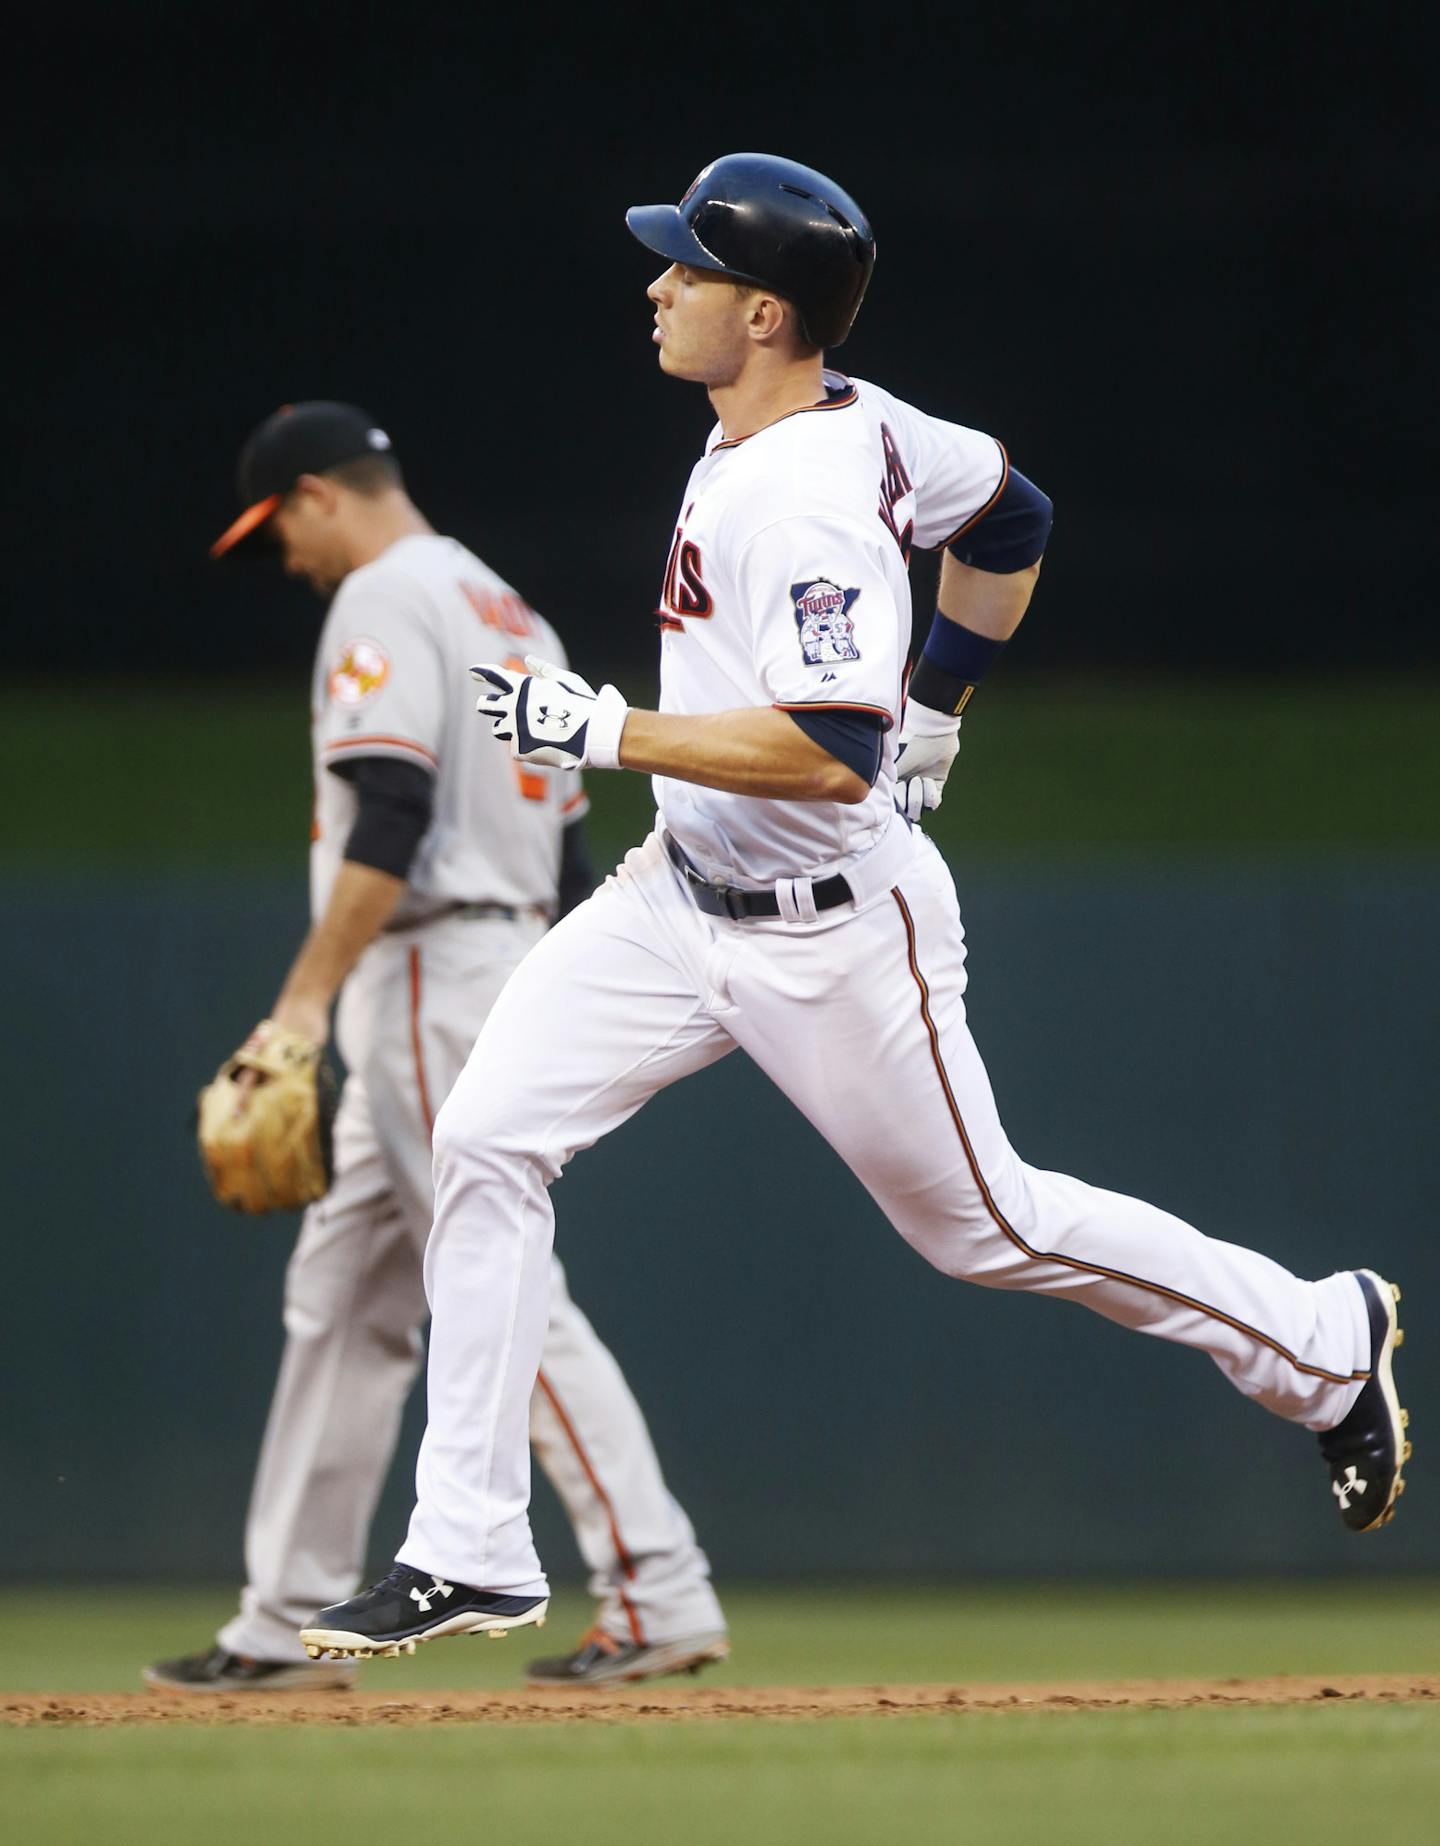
1352, 1483
438, 1587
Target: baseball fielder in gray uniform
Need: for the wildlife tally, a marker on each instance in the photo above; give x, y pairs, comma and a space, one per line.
436, 865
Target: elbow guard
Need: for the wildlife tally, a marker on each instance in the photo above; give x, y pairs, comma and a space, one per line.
1011, 534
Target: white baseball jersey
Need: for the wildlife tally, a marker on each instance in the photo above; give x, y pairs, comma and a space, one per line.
391, 679
787, 585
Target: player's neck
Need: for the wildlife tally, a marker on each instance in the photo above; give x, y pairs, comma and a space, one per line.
761, 395
387, 520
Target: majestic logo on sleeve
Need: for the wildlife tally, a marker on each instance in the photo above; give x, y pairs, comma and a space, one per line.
822, 614
360, 672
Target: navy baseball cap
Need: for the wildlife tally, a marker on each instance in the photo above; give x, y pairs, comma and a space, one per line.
297, 439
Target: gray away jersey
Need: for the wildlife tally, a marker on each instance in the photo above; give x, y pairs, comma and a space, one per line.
392, 679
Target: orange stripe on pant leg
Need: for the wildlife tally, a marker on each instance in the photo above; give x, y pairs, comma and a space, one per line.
1070, 1262
415, 1046
627, 1563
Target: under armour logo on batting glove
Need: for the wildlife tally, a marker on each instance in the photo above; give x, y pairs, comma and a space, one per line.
550, 715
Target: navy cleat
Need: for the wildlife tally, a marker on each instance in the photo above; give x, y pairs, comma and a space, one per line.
410, 1606
601, 1660
1366, 1452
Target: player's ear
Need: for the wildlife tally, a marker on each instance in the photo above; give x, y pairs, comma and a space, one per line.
767, 315
774, 319
316, 493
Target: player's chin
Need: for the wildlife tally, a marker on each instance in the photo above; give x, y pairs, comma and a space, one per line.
693, 371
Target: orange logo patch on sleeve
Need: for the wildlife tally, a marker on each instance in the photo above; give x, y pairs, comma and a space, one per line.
360, 672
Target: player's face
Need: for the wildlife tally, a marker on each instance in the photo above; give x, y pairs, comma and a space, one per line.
700, 325
310, 544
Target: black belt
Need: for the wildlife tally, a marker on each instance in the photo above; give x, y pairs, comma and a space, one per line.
482, 912
726, 901
510, 913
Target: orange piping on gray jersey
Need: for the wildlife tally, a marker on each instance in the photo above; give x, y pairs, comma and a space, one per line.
976, 517
1071, 1262
415, 1045
842, 402
576, 800
376, 739
627, 1563
877, 711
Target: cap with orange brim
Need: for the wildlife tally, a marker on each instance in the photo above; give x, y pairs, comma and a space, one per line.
297, 439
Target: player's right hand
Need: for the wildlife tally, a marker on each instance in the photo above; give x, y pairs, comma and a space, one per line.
929, 744
915, 798
551, 716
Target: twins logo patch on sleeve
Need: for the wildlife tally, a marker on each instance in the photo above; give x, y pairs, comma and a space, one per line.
822, 615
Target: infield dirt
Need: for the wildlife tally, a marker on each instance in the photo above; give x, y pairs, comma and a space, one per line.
679, 1704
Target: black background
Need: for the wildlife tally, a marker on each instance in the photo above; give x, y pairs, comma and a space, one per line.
1182, 265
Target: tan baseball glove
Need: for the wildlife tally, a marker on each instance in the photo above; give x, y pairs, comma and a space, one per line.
266, 1123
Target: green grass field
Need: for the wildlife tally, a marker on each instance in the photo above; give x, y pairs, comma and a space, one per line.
219, 775
1319, 1773
217, 779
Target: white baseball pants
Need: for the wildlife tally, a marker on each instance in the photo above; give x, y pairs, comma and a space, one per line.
859, 1018
354, 1306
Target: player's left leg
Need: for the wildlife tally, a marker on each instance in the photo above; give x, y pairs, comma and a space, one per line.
649, 1576
353, 1308
614, 1004
894, 1081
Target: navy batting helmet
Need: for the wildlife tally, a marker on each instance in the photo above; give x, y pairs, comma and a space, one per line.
776, 224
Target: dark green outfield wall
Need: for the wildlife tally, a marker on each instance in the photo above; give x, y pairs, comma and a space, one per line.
1252, 1048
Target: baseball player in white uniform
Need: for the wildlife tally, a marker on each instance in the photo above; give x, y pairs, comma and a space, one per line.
784, 906
436, 864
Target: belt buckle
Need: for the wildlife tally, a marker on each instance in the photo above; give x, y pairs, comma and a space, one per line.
731, 899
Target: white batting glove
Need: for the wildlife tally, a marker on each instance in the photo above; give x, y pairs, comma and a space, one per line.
915, 798
550, 715
929, 744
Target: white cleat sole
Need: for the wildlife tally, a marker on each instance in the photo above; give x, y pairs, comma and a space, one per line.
337, 1644
1384, 1375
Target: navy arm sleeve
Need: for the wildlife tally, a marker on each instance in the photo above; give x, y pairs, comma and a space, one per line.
853, 737
396, 802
